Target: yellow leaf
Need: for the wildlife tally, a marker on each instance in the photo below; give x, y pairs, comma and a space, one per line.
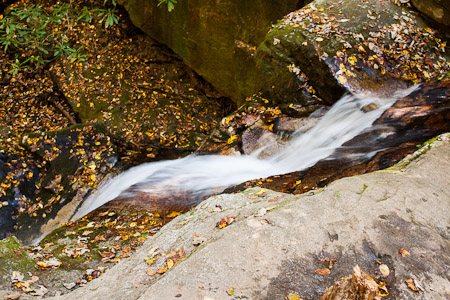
173, 214
260, 192
232, 139
293, 297
170, 264
42, 264
352, 60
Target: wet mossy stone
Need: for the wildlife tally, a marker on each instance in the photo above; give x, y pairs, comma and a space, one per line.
13, 258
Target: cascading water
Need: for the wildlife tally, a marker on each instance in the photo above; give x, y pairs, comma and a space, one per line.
208, 174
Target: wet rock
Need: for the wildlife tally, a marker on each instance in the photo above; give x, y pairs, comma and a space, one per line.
290, 125
72, 162
258, 138
409, 122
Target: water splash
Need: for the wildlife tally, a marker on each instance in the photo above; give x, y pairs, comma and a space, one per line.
208, 174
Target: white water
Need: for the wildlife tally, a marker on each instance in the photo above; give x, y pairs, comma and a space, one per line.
200, 174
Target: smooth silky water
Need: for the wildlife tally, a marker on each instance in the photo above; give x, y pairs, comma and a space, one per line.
211, 174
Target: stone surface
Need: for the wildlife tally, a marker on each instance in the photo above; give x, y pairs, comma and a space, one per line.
278, 242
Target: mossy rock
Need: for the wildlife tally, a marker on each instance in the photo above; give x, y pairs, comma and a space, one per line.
13, 258
356, 46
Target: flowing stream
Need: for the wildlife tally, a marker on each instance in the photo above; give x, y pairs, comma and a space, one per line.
210, 174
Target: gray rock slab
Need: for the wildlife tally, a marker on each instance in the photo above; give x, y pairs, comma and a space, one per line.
274, 246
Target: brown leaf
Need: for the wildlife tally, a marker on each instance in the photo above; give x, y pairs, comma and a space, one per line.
412, 285
150, 272
276, 198
224, 222
323, 272
331, 261
99, 238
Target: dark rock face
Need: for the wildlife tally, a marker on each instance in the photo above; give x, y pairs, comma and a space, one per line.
437, 10
217, 39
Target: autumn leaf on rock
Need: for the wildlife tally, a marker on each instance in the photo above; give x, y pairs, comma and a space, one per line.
323, 272
413, 286
150, 272
384, 269
331, 261
173, 214
224, 222
403, 252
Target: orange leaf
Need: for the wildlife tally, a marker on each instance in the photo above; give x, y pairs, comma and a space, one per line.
403, 252
323, 272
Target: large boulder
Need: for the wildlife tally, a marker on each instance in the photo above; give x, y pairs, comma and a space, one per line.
437, 10
326, 49
217, 39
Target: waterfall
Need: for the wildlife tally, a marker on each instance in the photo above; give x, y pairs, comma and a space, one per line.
208, 174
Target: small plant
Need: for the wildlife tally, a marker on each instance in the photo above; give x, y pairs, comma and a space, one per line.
170, 4
109, 16
36, 36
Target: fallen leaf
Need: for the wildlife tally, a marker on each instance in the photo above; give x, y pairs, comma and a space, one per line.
14, 297
230, 291
224, 222
383, 291
150, 272
412, 285
275, 199
151, 260
323, 272
170, 264
293, 297
403, 252
331, 261
173, 214
384, 269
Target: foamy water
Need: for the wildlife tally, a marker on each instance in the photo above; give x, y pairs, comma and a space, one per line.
208, 174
